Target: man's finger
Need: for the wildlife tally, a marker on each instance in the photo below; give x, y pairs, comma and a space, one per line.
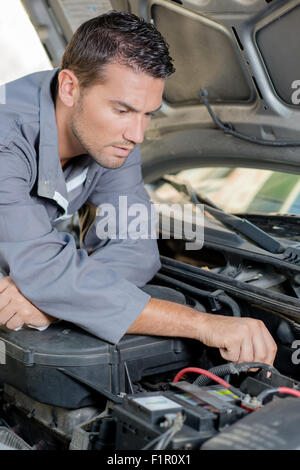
246, 351
7, 313
5, 282
4, 299
231, 353
14, 322
270, 345
260, 350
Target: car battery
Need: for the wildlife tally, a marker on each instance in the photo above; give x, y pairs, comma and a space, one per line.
142, 418
214, 398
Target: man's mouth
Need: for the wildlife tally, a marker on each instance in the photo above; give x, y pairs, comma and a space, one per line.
122, 151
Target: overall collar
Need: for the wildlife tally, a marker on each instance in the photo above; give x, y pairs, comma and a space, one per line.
51, 181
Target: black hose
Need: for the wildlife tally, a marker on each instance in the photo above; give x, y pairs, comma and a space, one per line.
225, 299
219, 295
232, 368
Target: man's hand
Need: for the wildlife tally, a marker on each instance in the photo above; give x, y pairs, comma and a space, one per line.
238, 339
16, 310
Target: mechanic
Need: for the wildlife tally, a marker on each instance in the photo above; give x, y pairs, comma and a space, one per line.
71, 136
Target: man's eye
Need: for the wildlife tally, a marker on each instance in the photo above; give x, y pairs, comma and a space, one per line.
120, 111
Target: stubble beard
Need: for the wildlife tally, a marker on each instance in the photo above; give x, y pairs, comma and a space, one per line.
78, 130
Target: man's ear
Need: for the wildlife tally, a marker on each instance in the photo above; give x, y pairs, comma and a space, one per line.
68, 87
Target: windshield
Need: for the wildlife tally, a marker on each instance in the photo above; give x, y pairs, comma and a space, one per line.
244, 190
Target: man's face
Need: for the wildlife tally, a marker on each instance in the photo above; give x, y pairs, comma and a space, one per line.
109, 119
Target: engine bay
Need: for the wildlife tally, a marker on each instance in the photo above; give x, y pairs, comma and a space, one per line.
66, 389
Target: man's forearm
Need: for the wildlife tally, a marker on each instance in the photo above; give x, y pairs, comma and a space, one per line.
238, 339
163, 318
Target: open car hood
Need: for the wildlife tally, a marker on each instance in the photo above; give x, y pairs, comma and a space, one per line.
242, 52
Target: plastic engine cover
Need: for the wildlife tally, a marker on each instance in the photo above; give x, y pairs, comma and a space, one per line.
32, 361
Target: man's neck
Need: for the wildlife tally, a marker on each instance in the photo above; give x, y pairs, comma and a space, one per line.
68, 146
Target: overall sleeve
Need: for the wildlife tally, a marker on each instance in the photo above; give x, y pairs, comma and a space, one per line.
50, 271
123, 236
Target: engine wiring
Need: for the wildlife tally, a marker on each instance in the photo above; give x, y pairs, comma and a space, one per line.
175, 422
271, 391
232, 368
214, 377
237, 368
227, 128
164, 439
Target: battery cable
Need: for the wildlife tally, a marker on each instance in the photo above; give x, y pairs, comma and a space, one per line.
212, 376
287, 390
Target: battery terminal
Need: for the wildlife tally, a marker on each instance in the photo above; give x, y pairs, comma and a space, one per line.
172, 419
251, 403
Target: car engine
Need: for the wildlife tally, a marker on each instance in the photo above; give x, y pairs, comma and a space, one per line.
64, 389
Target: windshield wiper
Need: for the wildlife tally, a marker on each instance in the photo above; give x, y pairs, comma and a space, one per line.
243, 226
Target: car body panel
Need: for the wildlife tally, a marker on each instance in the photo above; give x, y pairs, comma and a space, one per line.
242, 52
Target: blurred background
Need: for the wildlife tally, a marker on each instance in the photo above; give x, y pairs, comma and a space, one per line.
21, 51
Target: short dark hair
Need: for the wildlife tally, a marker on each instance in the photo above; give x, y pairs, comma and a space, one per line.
116, 37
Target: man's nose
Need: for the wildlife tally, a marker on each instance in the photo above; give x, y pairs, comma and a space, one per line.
135, 131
